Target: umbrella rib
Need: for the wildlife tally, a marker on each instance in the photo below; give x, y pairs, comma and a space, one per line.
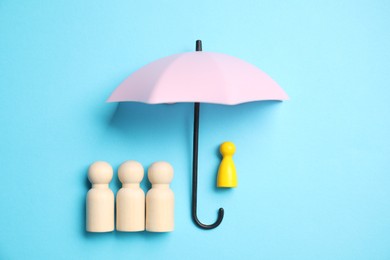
156, 90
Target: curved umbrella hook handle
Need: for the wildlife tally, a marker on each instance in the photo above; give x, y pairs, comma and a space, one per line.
195, 177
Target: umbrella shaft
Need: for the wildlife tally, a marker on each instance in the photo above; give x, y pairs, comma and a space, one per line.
195, 158
195, 167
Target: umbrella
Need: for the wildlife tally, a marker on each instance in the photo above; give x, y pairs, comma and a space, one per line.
197, 77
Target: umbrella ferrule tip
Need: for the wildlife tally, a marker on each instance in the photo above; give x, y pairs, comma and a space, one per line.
198, 45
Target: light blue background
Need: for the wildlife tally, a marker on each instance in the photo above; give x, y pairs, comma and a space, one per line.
314, 171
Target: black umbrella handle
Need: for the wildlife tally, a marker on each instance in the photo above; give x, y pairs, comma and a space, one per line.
195, 177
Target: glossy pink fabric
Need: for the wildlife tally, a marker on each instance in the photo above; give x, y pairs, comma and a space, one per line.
198, 77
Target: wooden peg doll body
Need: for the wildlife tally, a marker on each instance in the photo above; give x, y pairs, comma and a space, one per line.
130, 199
160, 199
100, 199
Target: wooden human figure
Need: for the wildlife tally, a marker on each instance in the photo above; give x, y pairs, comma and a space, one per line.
160, 199
227, 176
100, 199
130, 199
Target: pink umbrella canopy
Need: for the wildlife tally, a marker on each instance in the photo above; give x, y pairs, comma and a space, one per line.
206, 77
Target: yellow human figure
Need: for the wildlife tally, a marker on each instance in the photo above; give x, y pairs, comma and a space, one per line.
227, 176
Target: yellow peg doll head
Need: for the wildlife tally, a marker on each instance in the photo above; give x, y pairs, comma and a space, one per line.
227, 149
